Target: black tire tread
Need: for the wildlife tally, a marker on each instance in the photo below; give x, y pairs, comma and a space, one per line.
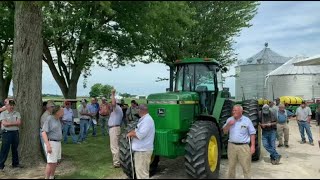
251, 110
196, 150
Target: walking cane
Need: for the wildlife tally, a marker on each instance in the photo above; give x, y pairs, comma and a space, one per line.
132, 166
319, 136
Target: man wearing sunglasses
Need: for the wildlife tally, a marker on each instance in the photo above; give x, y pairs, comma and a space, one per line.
11, 121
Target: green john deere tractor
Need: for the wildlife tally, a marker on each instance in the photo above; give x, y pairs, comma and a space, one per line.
189, 120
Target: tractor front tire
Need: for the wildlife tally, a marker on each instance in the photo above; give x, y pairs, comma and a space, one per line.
125, 158
203, 150
251, 110
225, 114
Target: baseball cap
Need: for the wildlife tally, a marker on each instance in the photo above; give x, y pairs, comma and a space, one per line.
103, 98
265, 109
50, 104
83, 101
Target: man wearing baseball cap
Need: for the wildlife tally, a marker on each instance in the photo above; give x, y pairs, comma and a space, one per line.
303, 114
268, 124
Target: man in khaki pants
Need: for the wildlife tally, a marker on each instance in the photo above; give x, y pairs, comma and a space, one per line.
142, 142
282, 125
114, 123
241, 132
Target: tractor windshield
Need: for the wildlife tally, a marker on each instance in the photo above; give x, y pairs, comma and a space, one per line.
196, 77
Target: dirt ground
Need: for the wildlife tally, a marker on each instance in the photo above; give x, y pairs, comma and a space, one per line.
300, 161
34, 172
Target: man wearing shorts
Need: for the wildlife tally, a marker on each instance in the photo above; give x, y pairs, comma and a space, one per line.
52, 136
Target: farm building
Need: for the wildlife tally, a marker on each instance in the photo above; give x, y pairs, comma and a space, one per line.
251, 73
291, 80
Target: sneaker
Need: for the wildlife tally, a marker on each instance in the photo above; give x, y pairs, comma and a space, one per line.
286, 146
280, 145
302, 142
311, 144
273, 162
116, 166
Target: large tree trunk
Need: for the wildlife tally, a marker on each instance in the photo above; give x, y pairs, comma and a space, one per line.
68, 86
27, 77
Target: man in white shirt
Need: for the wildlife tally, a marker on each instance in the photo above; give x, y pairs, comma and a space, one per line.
142, 142
67, 121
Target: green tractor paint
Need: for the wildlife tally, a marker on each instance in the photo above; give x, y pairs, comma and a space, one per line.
189, 119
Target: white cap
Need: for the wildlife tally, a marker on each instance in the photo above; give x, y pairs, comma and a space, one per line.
103, 98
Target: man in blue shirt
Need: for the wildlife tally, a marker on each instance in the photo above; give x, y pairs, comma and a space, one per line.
282, 126
241, 133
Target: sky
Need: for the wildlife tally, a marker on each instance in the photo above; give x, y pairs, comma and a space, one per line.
290, 28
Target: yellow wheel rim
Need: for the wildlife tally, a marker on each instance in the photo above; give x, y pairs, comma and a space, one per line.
213, 153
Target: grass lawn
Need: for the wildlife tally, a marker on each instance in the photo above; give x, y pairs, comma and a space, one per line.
92, 160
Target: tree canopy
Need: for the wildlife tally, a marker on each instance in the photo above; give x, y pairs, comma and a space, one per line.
99, 89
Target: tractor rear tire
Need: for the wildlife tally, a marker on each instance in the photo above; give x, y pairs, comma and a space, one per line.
203, 150
225, 114
251, 110
125, 159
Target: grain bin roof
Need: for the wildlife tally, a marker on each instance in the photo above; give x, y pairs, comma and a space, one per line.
265, 56
314, 60
290, 69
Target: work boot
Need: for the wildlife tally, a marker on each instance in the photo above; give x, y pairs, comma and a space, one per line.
278, 160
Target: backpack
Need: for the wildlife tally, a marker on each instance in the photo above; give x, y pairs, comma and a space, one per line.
285, 113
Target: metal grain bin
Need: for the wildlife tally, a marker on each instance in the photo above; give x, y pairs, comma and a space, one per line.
290, 80
251, 73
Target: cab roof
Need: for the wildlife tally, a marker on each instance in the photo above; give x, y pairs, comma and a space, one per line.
197, 60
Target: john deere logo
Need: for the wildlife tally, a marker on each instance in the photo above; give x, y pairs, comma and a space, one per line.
161, 112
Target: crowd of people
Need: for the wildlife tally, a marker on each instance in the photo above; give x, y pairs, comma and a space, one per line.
57, 122
273, 120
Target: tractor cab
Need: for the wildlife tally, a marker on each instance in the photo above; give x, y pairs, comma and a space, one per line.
201, 76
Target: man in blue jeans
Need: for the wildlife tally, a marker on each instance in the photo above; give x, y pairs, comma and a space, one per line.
303, 114
268, 124
68, 126
93, 121
85, 116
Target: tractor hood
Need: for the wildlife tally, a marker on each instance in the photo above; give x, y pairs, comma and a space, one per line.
173, 98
